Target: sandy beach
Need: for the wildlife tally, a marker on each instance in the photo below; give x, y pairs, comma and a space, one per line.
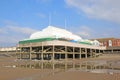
13, 69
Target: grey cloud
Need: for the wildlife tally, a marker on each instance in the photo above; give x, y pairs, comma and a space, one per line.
11, 34
83, 31
22, 30
88, 33
100, 9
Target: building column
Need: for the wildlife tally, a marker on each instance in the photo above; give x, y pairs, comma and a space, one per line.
30, 53
112, 50
85, 52
42, 52
20, 53
65, 53
99, 51
90, 53
53, 53
95, 52
17, 52
39, 56
73, 53
80, 54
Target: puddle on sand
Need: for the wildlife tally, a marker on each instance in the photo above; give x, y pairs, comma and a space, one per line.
89, 66
100, 66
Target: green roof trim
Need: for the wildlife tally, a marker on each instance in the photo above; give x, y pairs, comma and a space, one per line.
35, 40
27, 41
85, 43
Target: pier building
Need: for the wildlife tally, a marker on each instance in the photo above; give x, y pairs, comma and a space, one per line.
56, 44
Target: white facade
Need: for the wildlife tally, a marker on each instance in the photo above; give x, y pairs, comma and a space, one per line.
54, 32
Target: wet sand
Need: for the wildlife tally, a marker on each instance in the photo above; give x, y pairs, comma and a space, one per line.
9, 71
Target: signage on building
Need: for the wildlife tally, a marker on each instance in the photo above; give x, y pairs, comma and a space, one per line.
109, 43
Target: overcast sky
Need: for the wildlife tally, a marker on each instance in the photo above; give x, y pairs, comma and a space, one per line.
86, 18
